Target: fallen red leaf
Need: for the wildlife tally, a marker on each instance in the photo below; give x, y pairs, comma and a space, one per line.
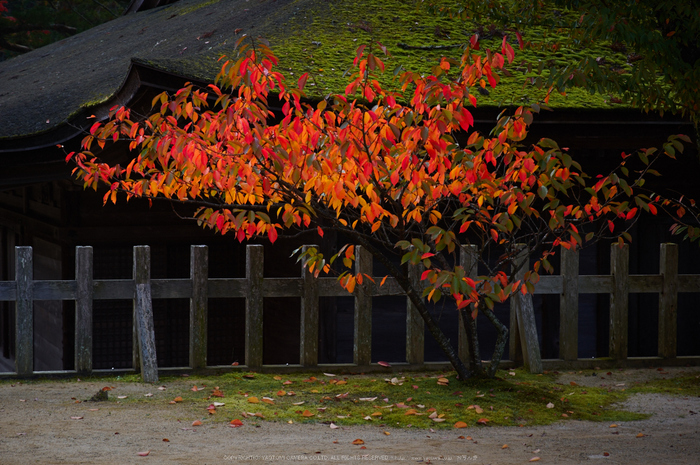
144, 453
166, 440
460, 424
235, 423
357, 442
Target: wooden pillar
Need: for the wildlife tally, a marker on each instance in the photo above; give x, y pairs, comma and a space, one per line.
467, 260
668, 301
524, 312
568, 305
362, 350
415, 326
143, 314
24, 312
83, 309
199, 305
308, 350
254, 256
619, 301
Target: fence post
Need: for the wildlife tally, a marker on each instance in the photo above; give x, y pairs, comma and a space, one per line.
468, 261
619, 267
254, 256
415, 327
308, 351
199, 274
568, 305
143, 314
24, 312
83, 309
668, 301
521, 306
362, 350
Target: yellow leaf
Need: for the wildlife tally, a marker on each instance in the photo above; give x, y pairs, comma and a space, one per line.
253, 400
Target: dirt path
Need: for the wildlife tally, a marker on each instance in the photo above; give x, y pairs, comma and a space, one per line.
36, 427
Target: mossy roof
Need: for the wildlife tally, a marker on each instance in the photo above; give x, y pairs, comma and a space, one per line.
50, 87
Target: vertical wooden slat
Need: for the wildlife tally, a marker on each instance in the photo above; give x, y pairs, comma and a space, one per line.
668, 301
514, 344
619, 267
83, 309
568, 305
199, 274
468, 261
525, 316
24, 312
143, 314
362, 350
415, 326
254, 255
308, 351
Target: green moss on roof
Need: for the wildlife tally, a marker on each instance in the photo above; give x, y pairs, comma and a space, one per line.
322, 41
44, 89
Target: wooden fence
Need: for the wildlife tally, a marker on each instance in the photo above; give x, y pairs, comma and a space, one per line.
254, 288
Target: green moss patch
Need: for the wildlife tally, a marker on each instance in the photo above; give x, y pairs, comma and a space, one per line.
422, 400
322, 41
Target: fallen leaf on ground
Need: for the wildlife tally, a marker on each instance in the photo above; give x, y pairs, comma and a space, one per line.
550, 405
307, 414
641, 435
267, 400
121, 397
144, 453
384, 364
166, 440
334, 426
253, 400
197, 423
249, 376
368, 399
482, 421
298, 403
329, 374
106, 388
235, 423
504, 446
281, 393
277, 378
218, 404
177, 399
195, 388
162, 388
534, 459
613, 425
357, 442
460, 424
76, 418
387, 433
217, 393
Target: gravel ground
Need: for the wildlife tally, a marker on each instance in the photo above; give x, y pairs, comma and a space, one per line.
37, 427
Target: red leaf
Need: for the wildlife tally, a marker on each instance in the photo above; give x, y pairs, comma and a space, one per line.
320, 231
384, 364
236, 423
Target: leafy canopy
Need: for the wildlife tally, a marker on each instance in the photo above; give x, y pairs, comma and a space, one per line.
410, 179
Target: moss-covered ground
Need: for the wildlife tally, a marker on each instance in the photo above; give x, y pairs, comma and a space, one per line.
423, 400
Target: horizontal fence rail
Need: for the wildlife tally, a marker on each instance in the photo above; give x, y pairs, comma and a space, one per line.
254, 288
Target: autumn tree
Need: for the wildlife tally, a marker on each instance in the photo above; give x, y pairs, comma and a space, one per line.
400, 173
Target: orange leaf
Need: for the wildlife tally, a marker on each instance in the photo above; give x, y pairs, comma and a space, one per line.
197, 423
236, 423
482, 421
281, 393
307, 414
534, 459
358, 442
253, 400
177, 399
460, 424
